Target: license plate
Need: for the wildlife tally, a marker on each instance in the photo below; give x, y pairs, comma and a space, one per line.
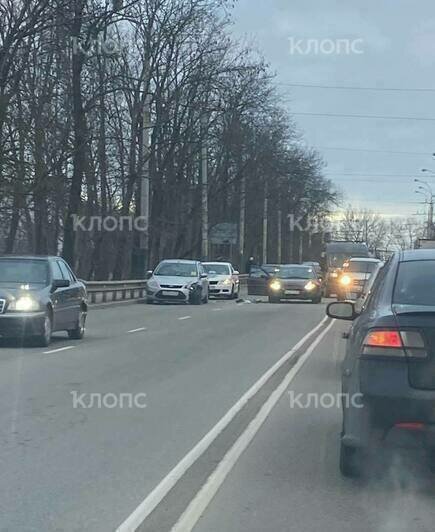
167, 293
292, 292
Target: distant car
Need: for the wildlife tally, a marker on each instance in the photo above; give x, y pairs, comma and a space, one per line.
354, 275
315, 265
185, 281
289, 281
388, 377
223, 279
38, 296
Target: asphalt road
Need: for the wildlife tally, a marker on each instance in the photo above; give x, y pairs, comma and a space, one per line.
261, 466
70, 467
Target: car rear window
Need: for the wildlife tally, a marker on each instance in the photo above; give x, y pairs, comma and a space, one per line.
361, 267
415, 283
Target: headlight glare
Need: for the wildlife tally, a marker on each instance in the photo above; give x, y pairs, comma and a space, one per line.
24, 304
345, 280
275, 285
310, 286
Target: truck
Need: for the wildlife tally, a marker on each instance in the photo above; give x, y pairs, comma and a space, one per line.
336, 254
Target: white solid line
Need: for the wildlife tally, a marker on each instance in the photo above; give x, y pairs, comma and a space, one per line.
185, 318
199, 503
58, 350
162, 489
137, 330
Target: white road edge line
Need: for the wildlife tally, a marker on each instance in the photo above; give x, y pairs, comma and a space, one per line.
59, 350
162, 489
202, 499
185, 318
137, 330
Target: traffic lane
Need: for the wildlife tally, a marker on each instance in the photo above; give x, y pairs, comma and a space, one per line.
93, 466
288, 479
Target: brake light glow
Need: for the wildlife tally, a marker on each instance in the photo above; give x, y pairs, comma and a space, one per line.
394, 343
383, 339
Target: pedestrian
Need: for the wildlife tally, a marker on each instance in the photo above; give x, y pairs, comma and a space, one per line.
249, 263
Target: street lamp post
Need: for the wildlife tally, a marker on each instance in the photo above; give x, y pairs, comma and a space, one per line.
426, 190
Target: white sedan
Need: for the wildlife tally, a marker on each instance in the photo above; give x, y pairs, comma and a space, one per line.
223, 279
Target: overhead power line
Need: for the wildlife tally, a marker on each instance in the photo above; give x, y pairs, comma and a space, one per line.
334, 148
375, 117
357, 88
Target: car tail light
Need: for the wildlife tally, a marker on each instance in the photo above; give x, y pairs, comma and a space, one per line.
394, 343
410, 426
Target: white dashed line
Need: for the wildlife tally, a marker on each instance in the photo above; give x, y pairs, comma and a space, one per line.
185, 318
215, 309
59, 350
137, 330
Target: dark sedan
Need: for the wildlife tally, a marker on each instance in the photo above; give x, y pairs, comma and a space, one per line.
388, 375
40, 295
287, 281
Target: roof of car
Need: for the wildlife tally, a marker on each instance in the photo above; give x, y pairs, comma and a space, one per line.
217, 262
363, 259
417, 254
29, 257
181, 261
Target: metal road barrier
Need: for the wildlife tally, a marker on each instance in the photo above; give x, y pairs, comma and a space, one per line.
112, 291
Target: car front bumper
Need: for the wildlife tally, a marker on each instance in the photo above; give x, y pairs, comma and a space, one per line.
295, 294
180, 295
16, 325
222, 290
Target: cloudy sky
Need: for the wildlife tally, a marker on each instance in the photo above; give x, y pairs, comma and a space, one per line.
383, 44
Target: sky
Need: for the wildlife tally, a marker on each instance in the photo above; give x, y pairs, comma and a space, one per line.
383, 44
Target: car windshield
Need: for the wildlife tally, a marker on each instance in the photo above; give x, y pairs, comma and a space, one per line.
218, 269
415, 283
361, 267
18, 271
295, 272
176, 269
270, 268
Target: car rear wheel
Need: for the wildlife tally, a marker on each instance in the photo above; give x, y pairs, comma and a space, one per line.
44, 339
350, 461
317, 300
79, 331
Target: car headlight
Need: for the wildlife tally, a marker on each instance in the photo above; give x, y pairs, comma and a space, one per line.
310, 286
345, 280
153, 284
24, 304
275, 285
227, 281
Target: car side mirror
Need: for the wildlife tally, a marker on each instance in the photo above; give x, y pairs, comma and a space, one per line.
203, 275
342, 310
59, 283
149, 274
235, 272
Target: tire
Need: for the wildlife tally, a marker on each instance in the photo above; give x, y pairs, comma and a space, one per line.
79, 332
44, 339
317, 300
236, 295
350, 461
149, 301
196, 298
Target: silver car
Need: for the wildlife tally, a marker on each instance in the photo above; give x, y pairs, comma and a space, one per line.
184, 281
223, 279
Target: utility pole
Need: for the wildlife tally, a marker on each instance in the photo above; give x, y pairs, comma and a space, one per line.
204, 189
430, 232
279, 236
141, 250
265, 214
242, 221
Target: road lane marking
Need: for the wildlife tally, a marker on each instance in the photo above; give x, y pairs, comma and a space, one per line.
215, 309
154, 498
185, 318
202, 499
59, 349
137, 330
